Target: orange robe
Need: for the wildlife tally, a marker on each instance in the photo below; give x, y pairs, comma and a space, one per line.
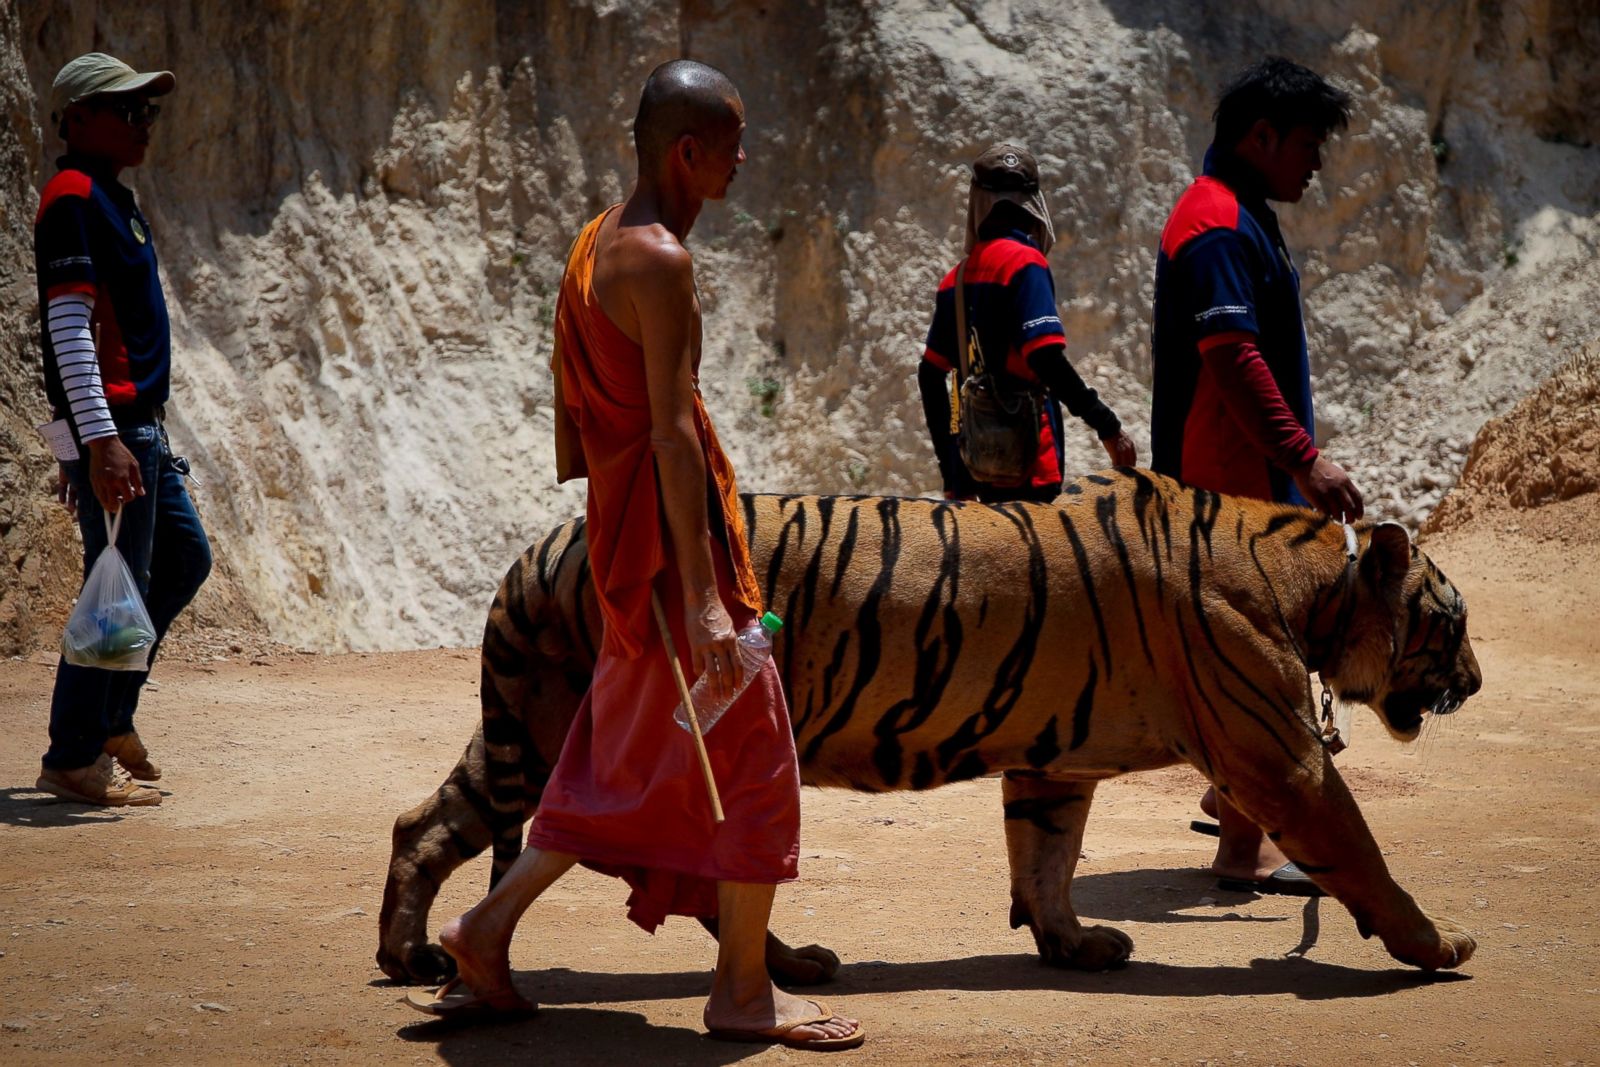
627, 795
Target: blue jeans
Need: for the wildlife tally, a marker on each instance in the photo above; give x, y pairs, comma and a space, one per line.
166, 549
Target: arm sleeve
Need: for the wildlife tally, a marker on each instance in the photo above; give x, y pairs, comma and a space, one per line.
67, 320
62, 240
1051, 366
936, 409
1215, 272
1254, 401
1033, 307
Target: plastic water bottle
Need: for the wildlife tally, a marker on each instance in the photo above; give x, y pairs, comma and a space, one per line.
755, 647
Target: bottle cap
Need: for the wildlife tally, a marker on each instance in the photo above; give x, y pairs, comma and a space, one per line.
771, 623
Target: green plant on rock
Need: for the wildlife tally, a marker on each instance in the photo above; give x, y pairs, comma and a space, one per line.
766, 391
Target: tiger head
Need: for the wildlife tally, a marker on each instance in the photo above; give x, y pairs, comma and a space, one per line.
1405, 651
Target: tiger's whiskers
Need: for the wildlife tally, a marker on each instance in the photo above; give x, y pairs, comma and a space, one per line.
1433, 728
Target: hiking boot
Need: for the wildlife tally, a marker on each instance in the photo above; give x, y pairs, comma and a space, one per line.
103, 783
129, 751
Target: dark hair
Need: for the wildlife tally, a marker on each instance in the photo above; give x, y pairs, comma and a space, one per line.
680, 96
1286, 95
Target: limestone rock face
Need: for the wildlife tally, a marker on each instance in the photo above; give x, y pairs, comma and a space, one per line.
362, 212
38, 546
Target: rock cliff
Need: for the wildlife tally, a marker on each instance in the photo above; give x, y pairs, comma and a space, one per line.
362, 211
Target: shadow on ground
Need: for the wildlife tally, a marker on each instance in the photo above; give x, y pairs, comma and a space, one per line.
1175, 895
567, 1030
577, 1037
1304, 978
36, 808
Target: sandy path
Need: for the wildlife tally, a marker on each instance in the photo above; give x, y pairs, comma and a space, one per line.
237, 922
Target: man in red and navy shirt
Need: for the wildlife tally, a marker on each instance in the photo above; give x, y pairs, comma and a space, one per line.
1232, 380
107, 365
1011, 307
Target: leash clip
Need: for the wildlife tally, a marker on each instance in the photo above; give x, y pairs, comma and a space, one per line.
1332, 740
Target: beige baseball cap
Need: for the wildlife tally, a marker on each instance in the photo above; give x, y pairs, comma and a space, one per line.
95, 73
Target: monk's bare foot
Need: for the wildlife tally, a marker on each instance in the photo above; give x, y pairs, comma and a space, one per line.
483, 963
776, 1008
1208, 801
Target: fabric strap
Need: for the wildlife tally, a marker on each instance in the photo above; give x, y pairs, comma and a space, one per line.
963, 347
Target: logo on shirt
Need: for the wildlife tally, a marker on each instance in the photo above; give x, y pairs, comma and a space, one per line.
1222, 309
138, 231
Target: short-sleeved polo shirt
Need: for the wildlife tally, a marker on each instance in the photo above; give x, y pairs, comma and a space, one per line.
1011, 305
90, 237
1223, 268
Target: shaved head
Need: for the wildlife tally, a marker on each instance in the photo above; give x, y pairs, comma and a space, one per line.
680, 97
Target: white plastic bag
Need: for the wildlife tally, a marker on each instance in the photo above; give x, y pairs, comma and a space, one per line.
110, 628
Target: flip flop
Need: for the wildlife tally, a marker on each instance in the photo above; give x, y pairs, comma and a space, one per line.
1287, 881
455, 1001
1210, 829
783, 1034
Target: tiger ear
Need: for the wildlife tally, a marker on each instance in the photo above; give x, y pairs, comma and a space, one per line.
1388, 555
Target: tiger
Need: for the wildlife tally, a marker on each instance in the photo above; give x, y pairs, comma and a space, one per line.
1131, 624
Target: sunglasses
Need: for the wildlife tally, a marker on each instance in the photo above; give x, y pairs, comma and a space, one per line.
133, 112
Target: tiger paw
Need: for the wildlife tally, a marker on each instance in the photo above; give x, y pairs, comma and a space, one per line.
1091, 948
1445, 946
1461, 944
807, 965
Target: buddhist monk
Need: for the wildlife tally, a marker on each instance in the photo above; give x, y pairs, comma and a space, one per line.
626, 796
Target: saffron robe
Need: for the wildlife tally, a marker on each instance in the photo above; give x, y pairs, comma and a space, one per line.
627, 795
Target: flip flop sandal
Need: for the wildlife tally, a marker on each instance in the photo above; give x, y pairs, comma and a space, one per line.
1287, 881
454, 1001
784, 1034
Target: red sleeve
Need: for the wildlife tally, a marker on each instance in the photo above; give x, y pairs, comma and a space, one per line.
65, 288
1254, 401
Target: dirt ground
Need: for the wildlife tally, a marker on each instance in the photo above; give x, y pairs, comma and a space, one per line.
237, 922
